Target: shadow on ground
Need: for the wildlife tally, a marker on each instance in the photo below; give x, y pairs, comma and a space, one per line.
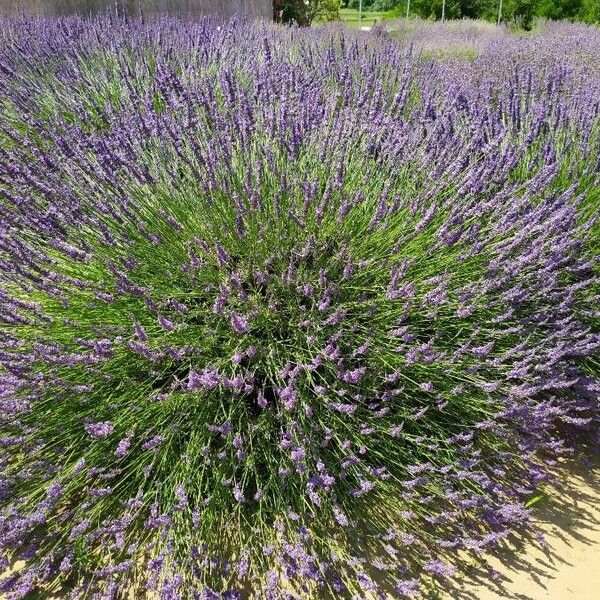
561, 563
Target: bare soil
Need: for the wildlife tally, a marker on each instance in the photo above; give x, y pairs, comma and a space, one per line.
566, 565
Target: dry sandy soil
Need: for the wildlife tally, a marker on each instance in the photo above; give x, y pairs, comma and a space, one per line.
568, 567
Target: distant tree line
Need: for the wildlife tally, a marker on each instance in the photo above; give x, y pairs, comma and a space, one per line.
303, 12
520, 10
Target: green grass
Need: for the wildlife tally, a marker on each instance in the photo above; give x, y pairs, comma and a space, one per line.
350, 17
467, 54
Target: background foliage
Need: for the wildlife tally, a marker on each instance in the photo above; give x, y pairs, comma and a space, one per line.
521, 11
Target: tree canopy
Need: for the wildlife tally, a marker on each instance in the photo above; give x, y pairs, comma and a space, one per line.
523, 11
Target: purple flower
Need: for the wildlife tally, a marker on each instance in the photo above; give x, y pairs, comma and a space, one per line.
66, 565
261, 400
340, 517
439, 568
325, 303
238, 494
408, 588
182, 499
298, 454
237, 357
365, 487
123, 447
166, 324
289, 396
345, 409
153, 442
482, 351
222, 256
354, 376
100, 430
140, 332
79, 529
239, 323
206, 380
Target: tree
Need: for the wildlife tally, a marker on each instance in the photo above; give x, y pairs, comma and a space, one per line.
304, 12
559, 9
522, 11
590, 11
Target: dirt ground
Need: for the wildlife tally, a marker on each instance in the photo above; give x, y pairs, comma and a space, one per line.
568, 567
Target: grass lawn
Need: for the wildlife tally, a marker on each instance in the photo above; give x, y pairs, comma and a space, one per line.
350, 17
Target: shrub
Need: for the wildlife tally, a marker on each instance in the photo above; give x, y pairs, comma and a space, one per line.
278, 314
303, 12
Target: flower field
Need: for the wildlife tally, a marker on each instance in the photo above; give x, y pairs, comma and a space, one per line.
286, 313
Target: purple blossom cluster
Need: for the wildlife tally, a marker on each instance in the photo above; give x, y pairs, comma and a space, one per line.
283, 313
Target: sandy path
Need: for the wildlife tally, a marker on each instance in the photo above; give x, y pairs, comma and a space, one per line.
568, 568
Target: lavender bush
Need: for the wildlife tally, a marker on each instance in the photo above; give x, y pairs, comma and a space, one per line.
282, 314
